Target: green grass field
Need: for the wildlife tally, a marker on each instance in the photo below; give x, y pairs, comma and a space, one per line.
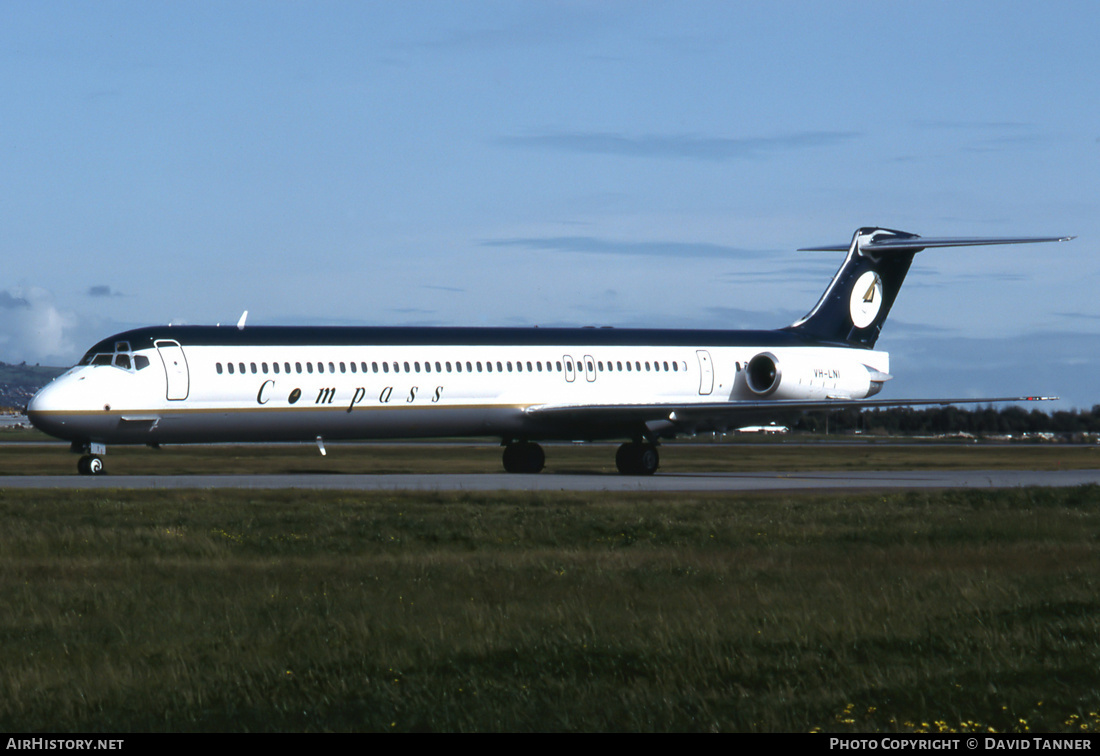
288, 610
381, 458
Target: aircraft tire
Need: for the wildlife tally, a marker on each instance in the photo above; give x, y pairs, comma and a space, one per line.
524, 457
90, 464
637, 459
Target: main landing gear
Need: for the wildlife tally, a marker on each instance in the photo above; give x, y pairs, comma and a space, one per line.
635, 458
523, 457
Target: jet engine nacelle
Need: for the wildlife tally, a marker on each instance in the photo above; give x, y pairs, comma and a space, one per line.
814, 377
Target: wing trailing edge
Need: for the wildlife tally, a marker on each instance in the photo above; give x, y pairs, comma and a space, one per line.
669, 419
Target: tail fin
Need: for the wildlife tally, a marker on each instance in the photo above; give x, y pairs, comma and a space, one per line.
855, 305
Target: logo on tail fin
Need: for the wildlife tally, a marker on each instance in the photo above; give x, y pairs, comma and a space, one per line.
866, 299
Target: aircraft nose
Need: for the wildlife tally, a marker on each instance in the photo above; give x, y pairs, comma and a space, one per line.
46, 408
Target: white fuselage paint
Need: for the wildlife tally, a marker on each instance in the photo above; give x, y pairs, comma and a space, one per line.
185, 393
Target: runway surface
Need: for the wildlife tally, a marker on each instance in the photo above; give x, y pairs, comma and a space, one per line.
712, 482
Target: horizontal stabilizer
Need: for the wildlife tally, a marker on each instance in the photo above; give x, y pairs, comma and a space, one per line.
917, 243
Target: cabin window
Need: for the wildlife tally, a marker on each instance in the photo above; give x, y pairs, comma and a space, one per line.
140, 361
275, 367
320, 367
331, 368
385, 367
416, 366
479, 367
374, 367
218, 367
230, 366
406, 365
286, 368
488, 367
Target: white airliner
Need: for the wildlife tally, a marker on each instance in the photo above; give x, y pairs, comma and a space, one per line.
194, 384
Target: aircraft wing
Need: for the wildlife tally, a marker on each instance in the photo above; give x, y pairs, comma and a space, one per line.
673, 418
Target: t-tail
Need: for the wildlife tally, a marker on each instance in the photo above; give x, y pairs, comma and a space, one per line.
854, 307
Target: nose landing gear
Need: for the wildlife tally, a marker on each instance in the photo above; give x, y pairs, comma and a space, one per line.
90, 464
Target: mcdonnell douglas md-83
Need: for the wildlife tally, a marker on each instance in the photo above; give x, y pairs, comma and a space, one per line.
196, 384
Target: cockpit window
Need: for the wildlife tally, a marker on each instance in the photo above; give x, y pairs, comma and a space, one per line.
122, 357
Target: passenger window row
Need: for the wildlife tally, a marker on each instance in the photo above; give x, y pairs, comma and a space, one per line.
550, 366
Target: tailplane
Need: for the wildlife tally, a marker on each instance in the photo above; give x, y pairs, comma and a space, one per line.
855, 305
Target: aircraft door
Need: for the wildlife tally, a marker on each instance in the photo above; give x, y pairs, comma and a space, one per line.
570, 374
175, 368
589, 368
706, 373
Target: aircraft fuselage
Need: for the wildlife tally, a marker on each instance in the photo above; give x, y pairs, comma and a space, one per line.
191, 384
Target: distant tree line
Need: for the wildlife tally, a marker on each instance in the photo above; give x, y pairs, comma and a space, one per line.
947, 420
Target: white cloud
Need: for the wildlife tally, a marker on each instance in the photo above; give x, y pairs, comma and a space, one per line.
33, 328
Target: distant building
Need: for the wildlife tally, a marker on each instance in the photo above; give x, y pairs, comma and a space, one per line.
769, 429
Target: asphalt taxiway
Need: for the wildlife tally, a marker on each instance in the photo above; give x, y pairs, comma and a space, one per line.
670, 482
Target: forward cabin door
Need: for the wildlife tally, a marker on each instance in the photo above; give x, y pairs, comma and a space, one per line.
175, 367
706, 373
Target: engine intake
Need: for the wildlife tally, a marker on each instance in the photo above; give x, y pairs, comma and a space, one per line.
763, 374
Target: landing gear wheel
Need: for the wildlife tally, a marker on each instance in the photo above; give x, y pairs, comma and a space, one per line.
637, 459
524, 457
90, 464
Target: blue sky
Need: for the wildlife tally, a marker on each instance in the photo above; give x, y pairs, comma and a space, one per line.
564, 163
